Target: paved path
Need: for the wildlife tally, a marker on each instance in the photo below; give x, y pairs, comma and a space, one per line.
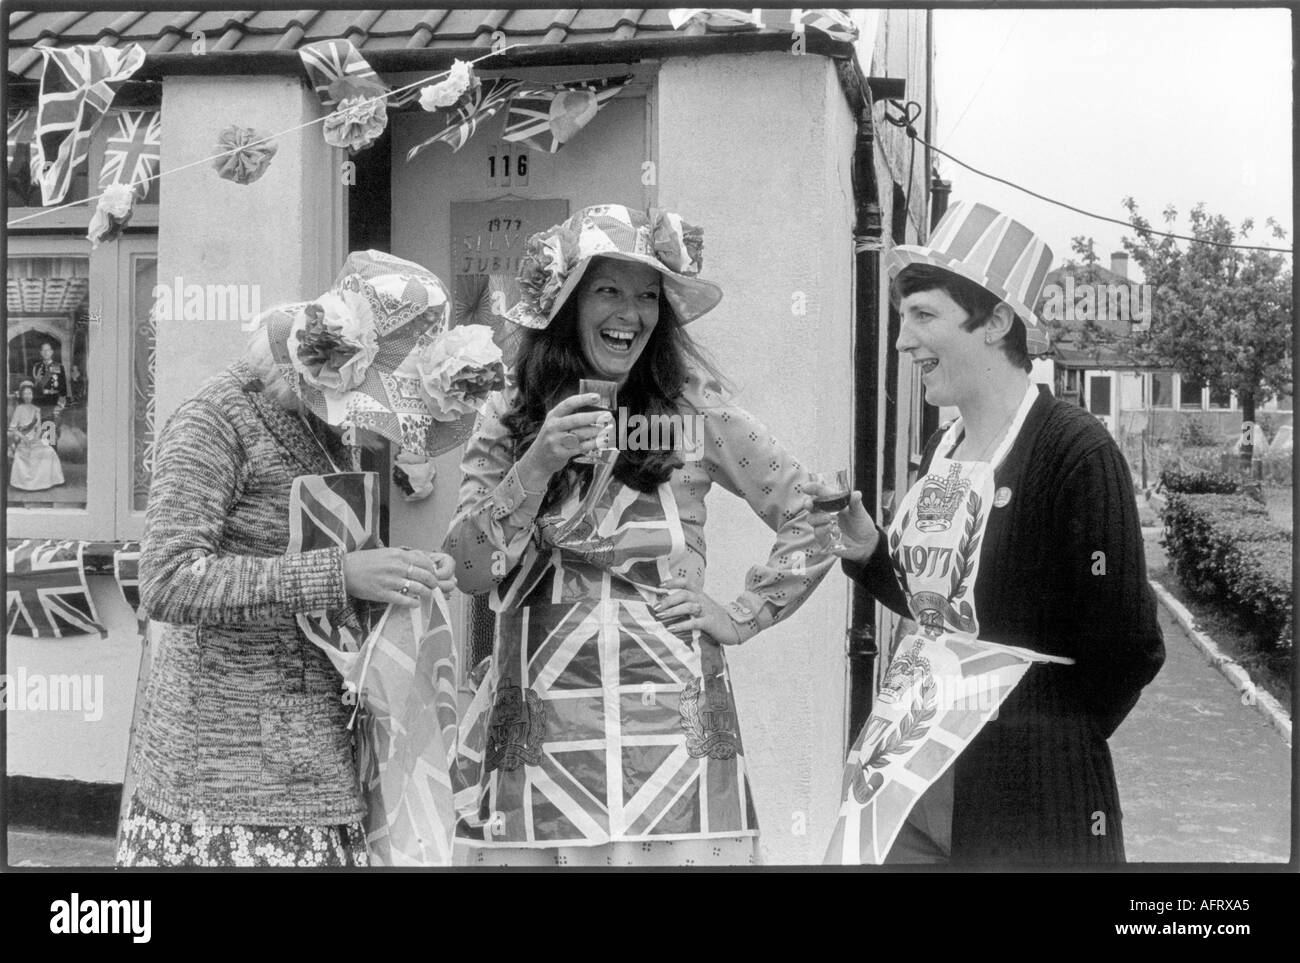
1202, 777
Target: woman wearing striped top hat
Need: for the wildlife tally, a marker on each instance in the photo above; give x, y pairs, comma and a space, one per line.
608, 730
1021, 532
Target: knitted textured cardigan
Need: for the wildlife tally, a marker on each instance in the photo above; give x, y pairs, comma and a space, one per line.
1037, 784
242, 720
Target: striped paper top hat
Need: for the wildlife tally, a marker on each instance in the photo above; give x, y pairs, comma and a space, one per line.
998, 253
555, 260
354, 354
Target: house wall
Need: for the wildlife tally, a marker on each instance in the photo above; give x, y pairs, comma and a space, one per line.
211, 231
86, 742
777, 223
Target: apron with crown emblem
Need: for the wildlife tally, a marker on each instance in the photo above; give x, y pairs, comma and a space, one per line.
943, 682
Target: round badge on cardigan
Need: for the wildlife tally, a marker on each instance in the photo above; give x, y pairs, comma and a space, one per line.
1001, 497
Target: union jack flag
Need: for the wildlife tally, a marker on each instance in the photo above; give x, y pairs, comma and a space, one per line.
337, 71
544, 118
603, 725
328, 511
481, 102
126, 572
935, 697
77, 88
718, 17
45, 590
20, 156
836, 24
132, 152
22, 125
405, 677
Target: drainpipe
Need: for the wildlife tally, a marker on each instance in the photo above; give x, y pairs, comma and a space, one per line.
862, 647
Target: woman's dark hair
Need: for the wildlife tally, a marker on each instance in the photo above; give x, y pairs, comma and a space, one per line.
970, 297
548, 363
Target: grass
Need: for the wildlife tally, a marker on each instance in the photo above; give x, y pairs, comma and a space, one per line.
1272, 670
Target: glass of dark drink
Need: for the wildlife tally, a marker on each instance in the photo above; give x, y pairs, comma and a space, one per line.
833, 500
608, 392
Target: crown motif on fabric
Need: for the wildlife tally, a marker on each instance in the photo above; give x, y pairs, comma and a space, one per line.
904, 669
940, 499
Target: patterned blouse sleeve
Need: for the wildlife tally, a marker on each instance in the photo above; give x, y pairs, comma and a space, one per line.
744, 458
495, 513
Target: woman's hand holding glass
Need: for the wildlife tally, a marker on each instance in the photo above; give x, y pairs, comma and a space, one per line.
566, 432
400, 576
857, 531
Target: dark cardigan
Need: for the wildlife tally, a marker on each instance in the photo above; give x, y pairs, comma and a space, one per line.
1037, 785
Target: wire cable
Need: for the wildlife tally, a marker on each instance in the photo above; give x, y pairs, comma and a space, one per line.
905, 122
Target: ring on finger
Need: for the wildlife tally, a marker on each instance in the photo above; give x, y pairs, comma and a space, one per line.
406, 585
572, 441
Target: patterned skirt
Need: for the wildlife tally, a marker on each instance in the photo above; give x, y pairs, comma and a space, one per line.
150, 839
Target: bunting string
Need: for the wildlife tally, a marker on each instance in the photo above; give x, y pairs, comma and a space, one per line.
269, 137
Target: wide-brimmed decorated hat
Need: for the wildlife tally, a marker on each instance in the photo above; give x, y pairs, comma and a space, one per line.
375, 352
998, 253
556, 259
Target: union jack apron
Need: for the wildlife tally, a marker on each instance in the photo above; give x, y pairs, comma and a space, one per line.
596, 724
943, 683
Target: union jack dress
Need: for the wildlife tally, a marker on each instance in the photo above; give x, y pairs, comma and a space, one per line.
596, 724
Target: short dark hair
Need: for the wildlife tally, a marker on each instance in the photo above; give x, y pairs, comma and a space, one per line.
975, 300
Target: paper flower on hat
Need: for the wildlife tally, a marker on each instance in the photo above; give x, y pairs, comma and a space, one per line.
680, 246
450, 89
250, 158
357, 123
458, 370
334, 341
543, 269
112, 213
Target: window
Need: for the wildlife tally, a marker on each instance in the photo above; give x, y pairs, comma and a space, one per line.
1220, 398
1189, 393
82, 471
1162, 389
81, 429
1099, 394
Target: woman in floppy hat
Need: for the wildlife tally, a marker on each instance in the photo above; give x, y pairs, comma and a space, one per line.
244, 756
610, 733
1021, 531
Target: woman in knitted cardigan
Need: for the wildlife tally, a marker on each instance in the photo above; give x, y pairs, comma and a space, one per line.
1060, 571
243, 755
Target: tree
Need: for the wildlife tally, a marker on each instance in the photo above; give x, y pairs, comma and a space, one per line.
1220, 315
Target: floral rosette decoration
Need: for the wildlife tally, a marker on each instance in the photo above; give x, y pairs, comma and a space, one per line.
356, 123
334, 341
112, 213
543, 269
458, 370
450, 89
680, 246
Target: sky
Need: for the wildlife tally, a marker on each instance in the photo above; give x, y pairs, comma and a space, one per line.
1091, 106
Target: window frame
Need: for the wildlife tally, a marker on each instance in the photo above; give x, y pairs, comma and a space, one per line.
107, 515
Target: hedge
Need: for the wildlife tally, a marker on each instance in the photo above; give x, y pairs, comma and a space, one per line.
1198, 482
1225, 547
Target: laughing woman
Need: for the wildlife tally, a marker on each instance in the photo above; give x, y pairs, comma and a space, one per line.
612, 737
1024, 514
